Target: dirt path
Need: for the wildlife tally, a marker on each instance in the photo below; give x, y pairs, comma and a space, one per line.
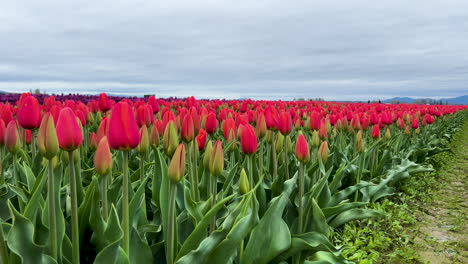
442, 235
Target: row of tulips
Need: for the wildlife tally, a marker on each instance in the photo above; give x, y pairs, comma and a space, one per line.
198, 181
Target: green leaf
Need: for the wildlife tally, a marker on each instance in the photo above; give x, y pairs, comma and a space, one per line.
113, 253
271, 236
195, 238
311, 242
20, 240
353, 214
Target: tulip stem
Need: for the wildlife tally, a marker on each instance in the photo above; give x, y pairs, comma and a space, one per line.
297, 258
285, 152
195, 170
142, 167
260, 160
105, 214
362, 159
273, 153
171, 224
74, 212
193, 186
2, 180
250, 169
213, 202
52, 220
17, 180
125, 213
33, 148
301, 194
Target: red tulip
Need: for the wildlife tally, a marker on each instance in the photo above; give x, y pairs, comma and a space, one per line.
314, 122
211, 123
68, 130
103, 129
29, 113
201, 139
271, 118
123, 131
285, 123
2, 133
5, 113
103, 158
302, 149
154, 104
228, 125
429, 119
415, 123
187, 129
104, 103
12, 138
376, 131
144, 115
248, 139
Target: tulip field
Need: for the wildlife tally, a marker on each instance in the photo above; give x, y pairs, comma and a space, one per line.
101, 179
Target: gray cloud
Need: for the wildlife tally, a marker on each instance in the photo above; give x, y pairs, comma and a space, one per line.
262, 49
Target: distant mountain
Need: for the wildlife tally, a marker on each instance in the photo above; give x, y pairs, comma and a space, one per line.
461, 100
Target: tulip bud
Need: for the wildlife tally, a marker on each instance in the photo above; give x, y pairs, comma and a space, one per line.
376, 131
387, 134
279, 143
103, 158
339, 124
2, 132
322, 133
289, 145
231, 140
323, 152
359, 142
302, 149
123, 131
207, 155
315, 139
170, 139
407, 130
244, 185
93, 142
47, 141
12, 138
187, 129
104, 103
261, 126
201, 139
142, 148
217, 159
154, 139
176, 169
248, 139
29, 113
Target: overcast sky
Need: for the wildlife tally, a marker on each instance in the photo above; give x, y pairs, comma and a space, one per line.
270, 49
